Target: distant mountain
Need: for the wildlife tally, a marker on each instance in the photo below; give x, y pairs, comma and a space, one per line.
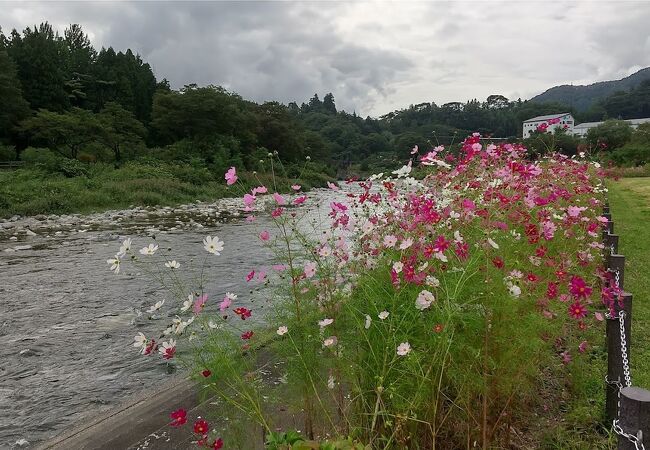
582, 97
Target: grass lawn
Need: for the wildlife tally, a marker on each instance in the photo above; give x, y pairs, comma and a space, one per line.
630, 206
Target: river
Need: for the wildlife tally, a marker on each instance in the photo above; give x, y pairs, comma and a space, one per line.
67, 323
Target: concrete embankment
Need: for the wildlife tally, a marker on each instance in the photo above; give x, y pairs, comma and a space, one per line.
139, 422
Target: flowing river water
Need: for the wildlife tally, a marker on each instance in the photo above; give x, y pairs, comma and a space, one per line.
67, 323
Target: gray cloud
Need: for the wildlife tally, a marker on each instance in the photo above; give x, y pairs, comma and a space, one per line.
374, 57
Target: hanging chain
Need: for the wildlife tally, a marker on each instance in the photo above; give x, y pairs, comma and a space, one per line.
617, 278
626, 363
611, 249
636, 440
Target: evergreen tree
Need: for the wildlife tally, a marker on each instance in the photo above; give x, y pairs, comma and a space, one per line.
13, 107
40, 56
328, 103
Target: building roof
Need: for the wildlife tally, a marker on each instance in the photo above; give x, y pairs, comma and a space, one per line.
546, 117
587, 125
595, 124
638, 121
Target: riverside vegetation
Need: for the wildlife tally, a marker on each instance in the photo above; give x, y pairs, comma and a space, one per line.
461, 309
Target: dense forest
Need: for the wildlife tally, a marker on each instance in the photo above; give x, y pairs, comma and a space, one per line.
60, 93
583, 98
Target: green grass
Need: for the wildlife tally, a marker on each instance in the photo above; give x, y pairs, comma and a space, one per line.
99, 187
630, 206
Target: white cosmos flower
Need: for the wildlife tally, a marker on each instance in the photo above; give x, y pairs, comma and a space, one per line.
213, 245
368, 322
330, 341
172, 264
140, 341
156, 307
187, 304
115, 263
325, 322
149, 250
178, 326
493, 244
441, 256
403, 171
231, 296
383, 315
514, 290
213, 325
432, 281
457, 236
125, 247
282, 330
403, 349
424, 300
398, 266
406, 243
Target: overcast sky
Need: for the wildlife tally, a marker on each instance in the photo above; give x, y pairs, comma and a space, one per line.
374, 57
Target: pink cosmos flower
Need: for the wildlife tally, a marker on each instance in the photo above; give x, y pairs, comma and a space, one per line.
231, 176
579, 288
259, 190
247, 335
574, 211
332, 186
566, 357
250, 218
577, 310
469, 205
168, 349
280, 200
242, 312
227, 301
310, 269
199, 304
583, 346
277, 212
250, 275
300, 200
265, 235
249, 200
179, 417
599, 316
296, 187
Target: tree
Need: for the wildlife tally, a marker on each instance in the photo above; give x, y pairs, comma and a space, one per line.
497, 102
40, 57
328, 103
80, 59
611, 134
65, 133
119, 128
13, 107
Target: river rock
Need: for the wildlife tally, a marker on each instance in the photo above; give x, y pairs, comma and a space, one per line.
29, 232
22, 247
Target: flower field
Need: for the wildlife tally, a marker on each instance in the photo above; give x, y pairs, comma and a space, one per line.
455, 303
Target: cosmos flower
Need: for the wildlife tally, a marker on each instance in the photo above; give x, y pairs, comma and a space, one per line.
403, 349
213, 245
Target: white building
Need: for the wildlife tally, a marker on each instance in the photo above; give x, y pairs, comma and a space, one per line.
582, 129
560, 120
